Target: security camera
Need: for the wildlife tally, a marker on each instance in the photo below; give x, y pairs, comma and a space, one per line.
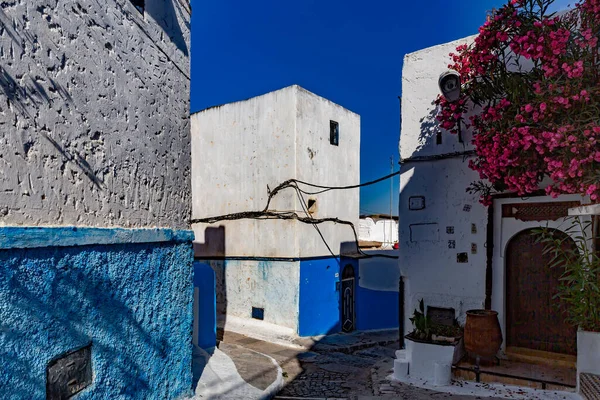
449, 83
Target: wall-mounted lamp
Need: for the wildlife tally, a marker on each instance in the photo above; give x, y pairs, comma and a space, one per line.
449, 83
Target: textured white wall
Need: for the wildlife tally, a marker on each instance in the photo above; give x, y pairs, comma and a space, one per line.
241, 148
385, 231
427, 261
319, 162
272, 285
95, 113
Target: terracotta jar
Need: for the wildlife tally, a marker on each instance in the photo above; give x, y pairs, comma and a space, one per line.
483, 336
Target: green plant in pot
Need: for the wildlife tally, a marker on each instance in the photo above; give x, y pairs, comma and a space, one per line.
426, 330
421, 322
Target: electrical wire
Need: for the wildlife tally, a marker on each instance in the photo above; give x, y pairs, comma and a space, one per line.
292, 215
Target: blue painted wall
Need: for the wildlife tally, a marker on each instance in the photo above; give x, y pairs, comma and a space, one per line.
376, 309
319, 303
204, 281
132, 301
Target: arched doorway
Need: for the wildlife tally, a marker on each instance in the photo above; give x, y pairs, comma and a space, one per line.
348, 314
534, 319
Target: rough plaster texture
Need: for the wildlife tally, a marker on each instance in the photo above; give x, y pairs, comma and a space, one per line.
240, 149
131, 301
272, 285
94, 113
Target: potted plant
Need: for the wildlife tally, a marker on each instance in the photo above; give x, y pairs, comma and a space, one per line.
579, 290
431, 343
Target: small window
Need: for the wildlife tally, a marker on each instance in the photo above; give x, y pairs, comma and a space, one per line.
258, 313
312, 206
334, 133
438, 137
139, 4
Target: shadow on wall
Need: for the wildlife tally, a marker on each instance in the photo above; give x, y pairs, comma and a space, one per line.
27, 95
446, 213
165, 14
55, 299
211, 298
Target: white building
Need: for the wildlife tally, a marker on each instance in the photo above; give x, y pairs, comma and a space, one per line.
454, 252
283, 272
378, 229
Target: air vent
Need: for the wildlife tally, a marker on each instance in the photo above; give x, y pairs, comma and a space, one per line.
258, 313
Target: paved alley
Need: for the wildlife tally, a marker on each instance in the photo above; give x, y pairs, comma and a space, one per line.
329, 374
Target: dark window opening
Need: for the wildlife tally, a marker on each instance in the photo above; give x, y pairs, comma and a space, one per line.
312, 206
139, 4
438, 137
334, 133
258, 313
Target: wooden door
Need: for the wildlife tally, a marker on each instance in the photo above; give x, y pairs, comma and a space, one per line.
535, 320
348, 313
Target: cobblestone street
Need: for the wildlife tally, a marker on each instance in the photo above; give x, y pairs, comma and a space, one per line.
357, 375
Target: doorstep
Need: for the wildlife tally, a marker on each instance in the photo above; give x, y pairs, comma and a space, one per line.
519, 373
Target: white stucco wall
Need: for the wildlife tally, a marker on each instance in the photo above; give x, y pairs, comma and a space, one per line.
428, 258
384, 230
452, 221
271, 285
241, 148
95, 113
319, 162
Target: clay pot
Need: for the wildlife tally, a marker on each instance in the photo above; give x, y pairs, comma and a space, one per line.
483, 336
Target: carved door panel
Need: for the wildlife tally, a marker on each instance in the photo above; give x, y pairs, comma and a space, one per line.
534, 319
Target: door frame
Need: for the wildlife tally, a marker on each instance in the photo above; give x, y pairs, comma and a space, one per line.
505, 228
353, 279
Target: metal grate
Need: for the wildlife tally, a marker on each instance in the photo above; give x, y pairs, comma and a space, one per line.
549, 211
589, 386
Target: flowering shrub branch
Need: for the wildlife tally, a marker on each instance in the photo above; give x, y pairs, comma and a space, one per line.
532, 79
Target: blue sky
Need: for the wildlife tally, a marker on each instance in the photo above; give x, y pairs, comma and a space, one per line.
348, 51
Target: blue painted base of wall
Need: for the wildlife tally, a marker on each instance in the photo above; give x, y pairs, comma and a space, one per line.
206, 315
319, 303
376, 309
132, 301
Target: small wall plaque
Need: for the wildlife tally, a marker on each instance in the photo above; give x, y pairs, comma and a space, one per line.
416, 203
69, 374
462, 258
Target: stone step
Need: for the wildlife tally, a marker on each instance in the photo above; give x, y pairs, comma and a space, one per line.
518, 374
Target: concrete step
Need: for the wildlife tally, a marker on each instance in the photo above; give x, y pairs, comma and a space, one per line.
518, 373
539, 357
